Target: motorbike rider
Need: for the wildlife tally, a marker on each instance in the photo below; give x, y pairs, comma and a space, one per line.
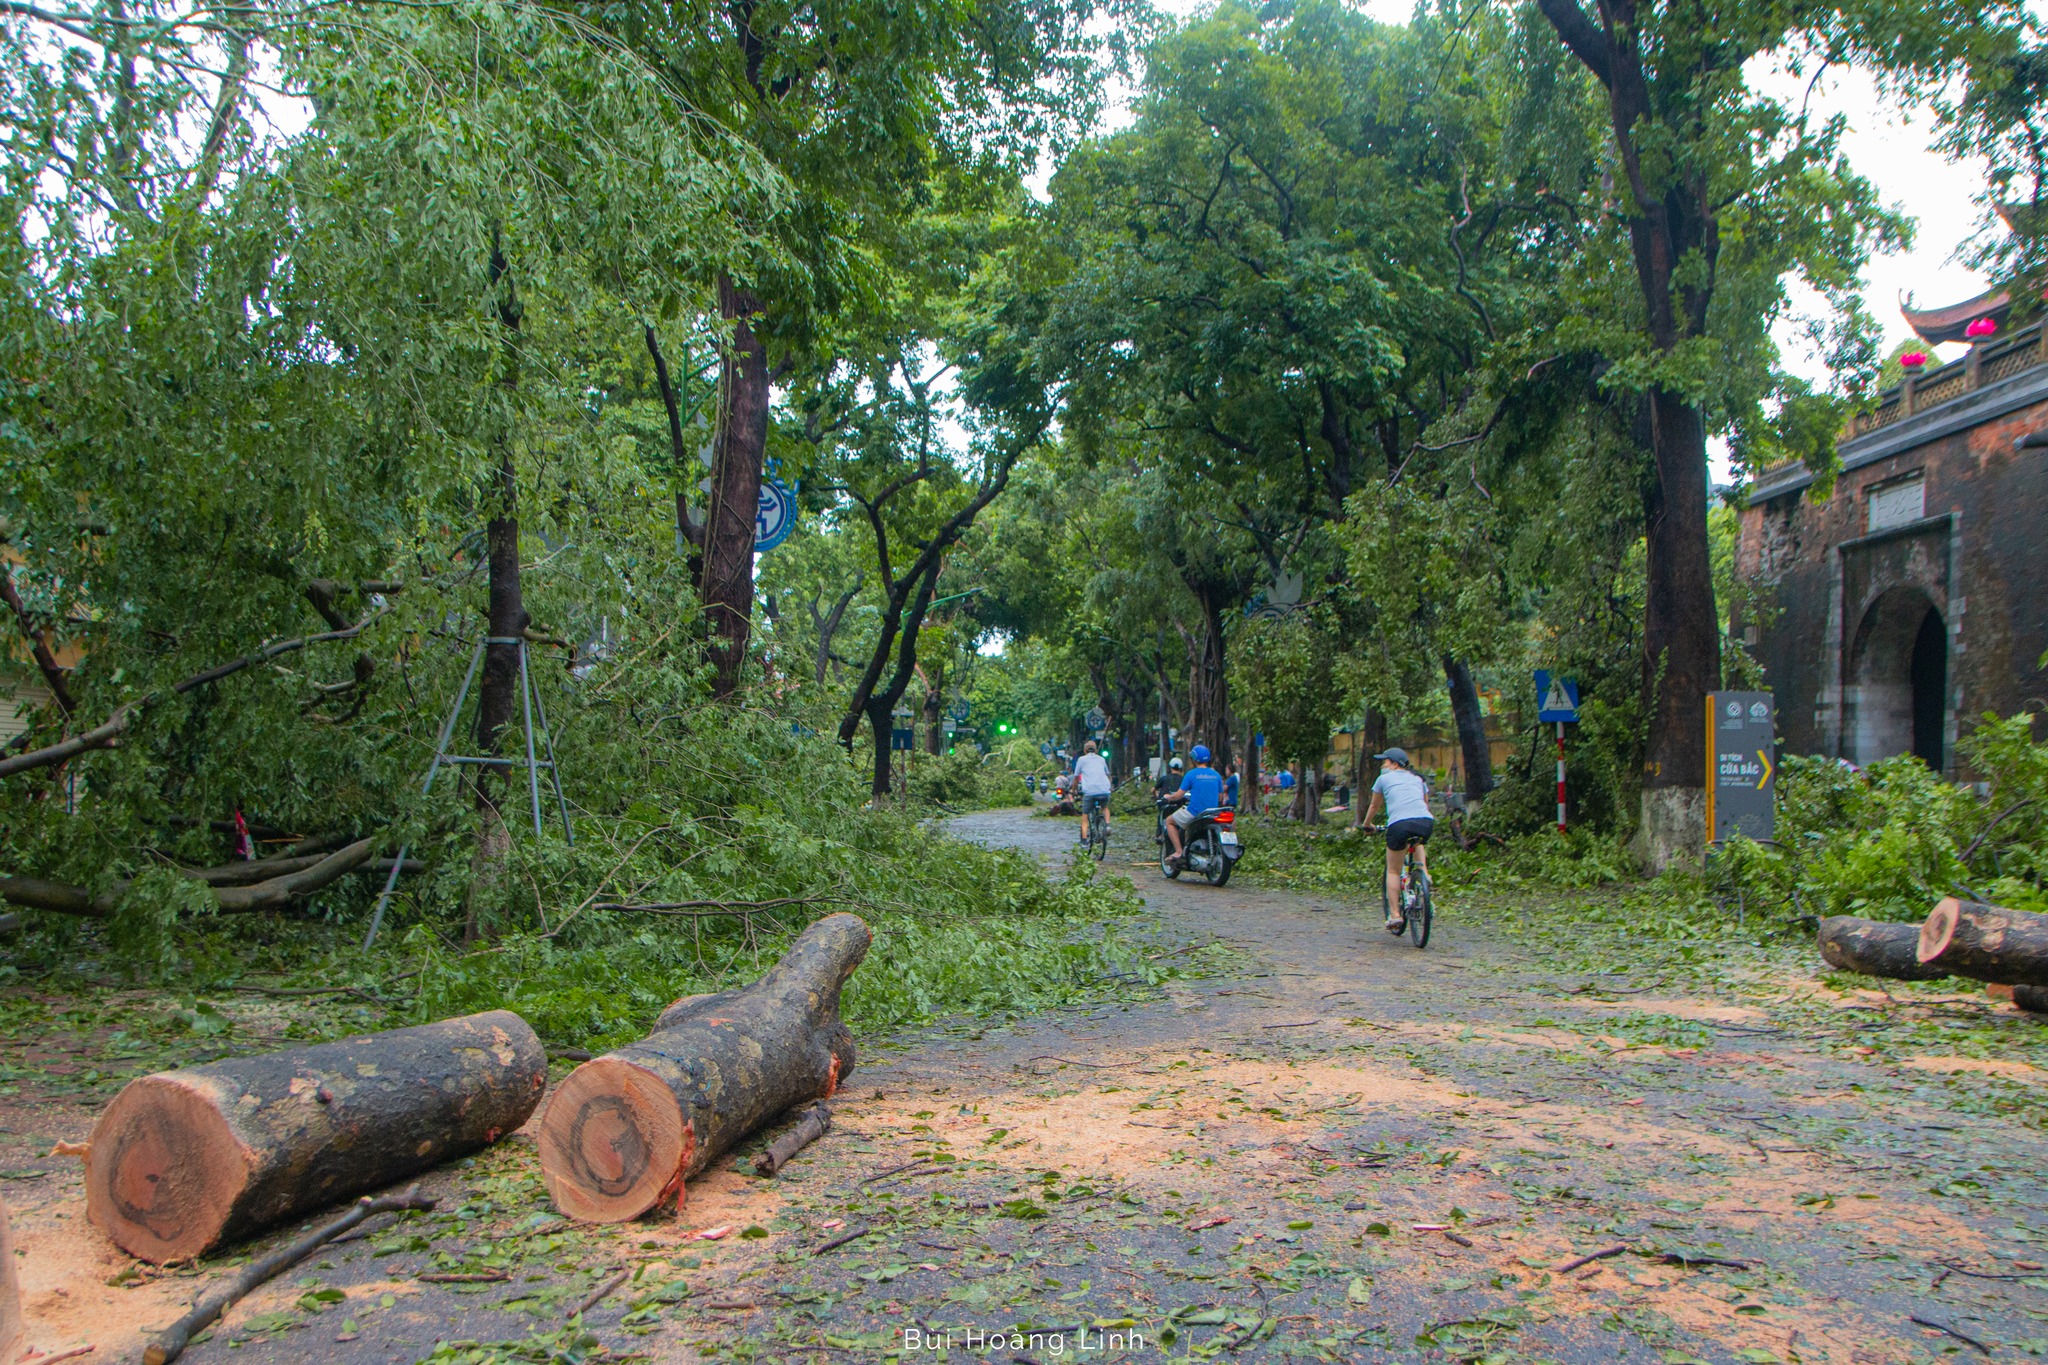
1200, 794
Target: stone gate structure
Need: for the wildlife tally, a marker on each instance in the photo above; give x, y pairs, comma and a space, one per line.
1914, 597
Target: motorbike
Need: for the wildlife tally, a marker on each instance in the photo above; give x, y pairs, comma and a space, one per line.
1210, 843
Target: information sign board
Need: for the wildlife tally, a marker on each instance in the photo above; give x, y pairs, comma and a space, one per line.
1741, 796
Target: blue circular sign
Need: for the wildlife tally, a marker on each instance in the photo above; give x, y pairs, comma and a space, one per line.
775, 517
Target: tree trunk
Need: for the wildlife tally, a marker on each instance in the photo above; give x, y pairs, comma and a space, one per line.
1311, 797
506, 621
1986, 942
55, 677
1875, 948
625, 1130
1681, 639
735, 489
1471, 721
934, 719
882, 725
183, 1160
2033, 999
1208, 688
1371, 740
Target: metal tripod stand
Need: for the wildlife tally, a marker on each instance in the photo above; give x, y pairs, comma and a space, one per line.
530, 700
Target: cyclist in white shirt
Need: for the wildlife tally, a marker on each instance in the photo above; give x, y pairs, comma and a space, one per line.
1093, 774
1406, 796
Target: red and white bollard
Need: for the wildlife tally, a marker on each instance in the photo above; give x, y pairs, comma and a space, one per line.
1560, 777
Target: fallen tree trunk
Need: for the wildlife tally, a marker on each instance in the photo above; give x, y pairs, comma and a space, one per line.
183, 1160
625, 1130
1986, 942
286, 880
1875, 947
11, 1324
2032, 999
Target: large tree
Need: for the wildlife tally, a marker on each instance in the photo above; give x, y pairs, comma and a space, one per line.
871, 110
1725, 192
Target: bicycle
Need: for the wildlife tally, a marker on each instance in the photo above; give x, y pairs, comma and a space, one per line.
1417, 903
1098, 826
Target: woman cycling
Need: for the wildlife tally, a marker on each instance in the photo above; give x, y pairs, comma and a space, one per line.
1406, 797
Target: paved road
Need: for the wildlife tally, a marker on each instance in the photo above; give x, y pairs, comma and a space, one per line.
1316, 1143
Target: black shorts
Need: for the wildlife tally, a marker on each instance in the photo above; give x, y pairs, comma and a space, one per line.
1091, 804
1403, 832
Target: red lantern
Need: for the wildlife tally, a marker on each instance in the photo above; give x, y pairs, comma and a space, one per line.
1913, 360
1982, 327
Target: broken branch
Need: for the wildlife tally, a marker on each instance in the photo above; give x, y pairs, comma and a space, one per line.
172, 1341
108, 733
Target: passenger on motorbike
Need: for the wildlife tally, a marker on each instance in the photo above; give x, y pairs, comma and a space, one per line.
1200, 794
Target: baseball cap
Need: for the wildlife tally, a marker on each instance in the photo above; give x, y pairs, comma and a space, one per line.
1399, 755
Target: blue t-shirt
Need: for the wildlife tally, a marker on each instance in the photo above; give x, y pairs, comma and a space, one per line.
1230, 791
1286, 779
1204, 787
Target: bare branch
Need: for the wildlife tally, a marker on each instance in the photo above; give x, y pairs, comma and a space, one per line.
108, 733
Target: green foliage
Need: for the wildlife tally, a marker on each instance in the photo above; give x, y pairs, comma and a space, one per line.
1887, 842
1283, 671
967, 779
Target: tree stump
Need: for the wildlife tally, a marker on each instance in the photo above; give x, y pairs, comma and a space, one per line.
1875, 947
625, 1130
183, 1160
1986, 942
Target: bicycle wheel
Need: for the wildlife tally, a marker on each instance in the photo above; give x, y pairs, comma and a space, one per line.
1420, 914
1098, 835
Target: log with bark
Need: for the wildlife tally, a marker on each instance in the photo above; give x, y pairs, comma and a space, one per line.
1875, 947
2032, 999
11, 1325
625, 1130
1986, 942
183, 1160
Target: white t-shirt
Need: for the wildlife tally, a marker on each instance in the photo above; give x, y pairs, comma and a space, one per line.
1094, 775
1406, 795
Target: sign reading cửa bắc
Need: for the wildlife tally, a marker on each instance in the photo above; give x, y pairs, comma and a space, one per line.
1741, 796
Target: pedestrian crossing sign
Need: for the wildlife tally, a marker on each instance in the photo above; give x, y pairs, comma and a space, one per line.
1557, 699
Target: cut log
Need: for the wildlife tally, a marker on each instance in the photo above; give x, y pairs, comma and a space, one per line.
11, 1326
1986, 942
183, 1160
1875, 947
2032, 999
625, 1130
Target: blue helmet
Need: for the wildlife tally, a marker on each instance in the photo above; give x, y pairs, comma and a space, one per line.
1201, 753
